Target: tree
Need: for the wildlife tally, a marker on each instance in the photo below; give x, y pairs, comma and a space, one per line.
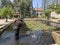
16, 4
6, 3
51, 6
5, 12
55, 7
25, 7
58, 9
47, 14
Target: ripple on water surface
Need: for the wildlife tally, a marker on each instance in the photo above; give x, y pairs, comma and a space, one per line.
34, 38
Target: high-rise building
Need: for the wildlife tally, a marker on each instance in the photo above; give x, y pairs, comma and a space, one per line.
58, 1
0, 2
46, 3
43, 4
55, 1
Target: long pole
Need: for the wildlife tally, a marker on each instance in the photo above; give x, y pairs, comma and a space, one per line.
31, 7
37, 10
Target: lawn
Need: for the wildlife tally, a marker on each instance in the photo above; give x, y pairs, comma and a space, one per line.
37, 25
31, 24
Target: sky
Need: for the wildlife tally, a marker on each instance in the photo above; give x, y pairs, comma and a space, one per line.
35, 3
11, 0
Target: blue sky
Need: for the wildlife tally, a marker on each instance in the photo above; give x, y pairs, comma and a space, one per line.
11, 0
35, 2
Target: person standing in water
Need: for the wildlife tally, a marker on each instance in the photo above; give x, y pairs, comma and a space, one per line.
17, 25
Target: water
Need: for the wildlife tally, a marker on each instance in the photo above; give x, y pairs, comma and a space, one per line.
34, 38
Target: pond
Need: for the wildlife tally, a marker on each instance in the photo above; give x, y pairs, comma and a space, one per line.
34, 38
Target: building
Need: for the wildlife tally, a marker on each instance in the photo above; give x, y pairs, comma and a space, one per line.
39, 11
58, 1
43, 4
46, 3
0, 2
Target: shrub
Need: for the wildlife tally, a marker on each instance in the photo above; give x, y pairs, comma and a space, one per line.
47, 13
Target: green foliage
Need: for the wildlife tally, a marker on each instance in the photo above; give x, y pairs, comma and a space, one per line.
37, 25
16, 2
47, 13
58, 9
25, 7
5, 11
55, 7
6, 3
9, 29
51, 6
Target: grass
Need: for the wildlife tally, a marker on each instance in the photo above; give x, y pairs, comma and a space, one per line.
32, 25
37, 25
9, 29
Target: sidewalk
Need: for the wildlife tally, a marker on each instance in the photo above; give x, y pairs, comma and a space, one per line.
3, 23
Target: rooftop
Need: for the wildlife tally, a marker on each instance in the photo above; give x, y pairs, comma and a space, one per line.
38, 9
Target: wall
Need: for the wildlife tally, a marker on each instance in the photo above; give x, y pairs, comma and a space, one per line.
56, 37
53, 14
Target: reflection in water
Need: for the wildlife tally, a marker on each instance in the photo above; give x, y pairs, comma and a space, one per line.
17, 42
34, 38
4, 39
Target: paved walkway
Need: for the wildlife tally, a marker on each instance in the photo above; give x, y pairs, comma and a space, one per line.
3, 23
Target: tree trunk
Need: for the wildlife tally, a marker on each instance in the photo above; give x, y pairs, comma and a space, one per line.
6, 19
48, 23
